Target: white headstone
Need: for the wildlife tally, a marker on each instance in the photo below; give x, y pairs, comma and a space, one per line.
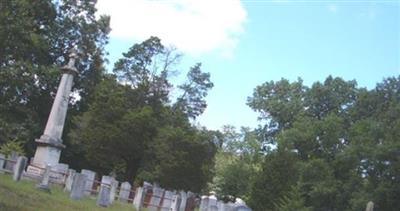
167, 200
204, 203
69, 180
155, 199
139, 197
370, 206
103, 198
78, 186
45, 181
2, 161
114, 187
124, 191
90, 176
212, 203
183, 196
11, 161
19, 167
221, 206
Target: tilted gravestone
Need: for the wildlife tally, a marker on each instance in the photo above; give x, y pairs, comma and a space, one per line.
11, 161
90, 176
183, 196
221, 206
19, 167
103, 198
2, 161
212, 203
176, 201
78, 186
139, 198
124, 191
167, 199
114, 187
155, 198
45, 181
370, 206
204, 203
59, 173
69, 180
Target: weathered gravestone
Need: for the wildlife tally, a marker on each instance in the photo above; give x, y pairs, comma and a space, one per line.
124, 191
59, 173
2, 161
221, 206
19, 167
370, 206
69, 180
45, 181
167, 200
183, 196
114, 187
103, 198
229, 206
139, 198
90, 176
11, 161
212, 203
155, 198
176, 201
203, 203
78, 186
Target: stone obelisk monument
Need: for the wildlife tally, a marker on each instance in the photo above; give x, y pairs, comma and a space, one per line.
49, 145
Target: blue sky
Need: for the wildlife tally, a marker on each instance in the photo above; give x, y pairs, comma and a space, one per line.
245, 43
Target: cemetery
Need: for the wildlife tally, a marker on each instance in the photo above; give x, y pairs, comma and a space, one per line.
46, 170
106, 190
177, 105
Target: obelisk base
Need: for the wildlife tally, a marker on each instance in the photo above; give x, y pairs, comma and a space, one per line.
48, 152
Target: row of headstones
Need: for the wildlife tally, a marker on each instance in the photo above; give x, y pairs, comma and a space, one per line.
7, 162
80, 184
154, 198
13, 164
211, 203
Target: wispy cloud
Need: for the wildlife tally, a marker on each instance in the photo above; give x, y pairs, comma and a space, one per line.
190, 25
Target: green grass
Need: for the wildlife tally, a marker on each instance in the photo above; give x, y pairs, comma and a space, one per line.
23, 196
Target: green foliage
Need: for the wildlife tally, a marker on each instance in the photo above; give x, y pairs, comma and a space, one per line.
293, 201
345, 139
237, 162
192, 101
12, 146
131, 129
35, 37
233, 177
279, 173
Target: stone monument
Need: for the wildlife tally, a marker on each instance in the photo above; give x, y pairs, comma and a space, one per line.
49, 145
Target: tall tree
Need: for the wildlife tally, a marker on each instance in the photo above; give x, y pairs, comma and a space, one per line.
147, 137
344, 140
35, 38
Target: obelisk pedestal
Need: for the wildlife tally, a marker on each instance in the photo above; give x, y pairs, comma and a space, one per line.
49, 145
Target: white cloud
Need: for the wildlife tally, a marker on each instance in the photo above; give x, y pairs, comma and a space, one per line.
193, 26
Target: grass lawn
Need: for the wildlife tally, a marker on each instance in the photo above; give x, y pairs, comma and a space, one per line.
23, 195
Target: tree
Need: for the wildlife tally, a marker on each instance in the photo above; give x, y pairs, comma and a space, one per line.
35, 38
192, 102
279, 173
344, 140
147, 137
